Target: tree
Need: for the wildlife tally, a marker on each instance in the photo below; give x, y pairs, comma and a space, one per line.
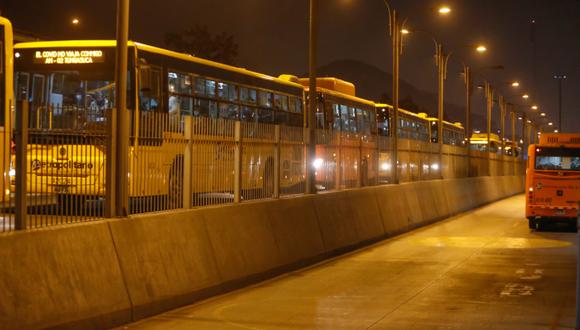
200, 42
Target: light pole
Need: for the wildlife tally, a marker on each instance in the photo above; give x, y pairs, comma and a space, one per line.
442, 58
489, 106
312, 98
560, 78
397, 49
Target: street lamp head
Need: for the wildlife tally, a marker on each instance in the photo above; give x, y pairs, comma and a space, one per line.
534, 107
556, 131
444, 10
481, 49
516, 84
526, 96
75, 21
405, 31
550, 124
543, 114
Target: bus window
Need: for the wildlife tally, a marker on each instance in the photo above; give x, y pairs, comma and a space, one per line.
180, 93
265, 99
228, 111
227, 91
248, 95
265, 116
558, 159
248, 114
150, 89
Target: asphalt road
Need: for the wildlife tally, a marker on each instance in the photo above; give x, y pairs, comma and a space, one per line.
479, 270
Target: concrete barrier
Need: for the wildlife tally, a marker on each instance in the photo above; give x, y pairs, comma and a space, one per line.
66, 277
102, 275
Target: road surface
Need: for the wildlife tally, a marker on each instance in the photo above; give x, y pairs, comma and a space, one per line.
479, 270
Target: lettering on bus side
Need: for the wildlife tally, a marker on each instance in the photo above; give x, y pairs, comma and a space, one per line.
36, 165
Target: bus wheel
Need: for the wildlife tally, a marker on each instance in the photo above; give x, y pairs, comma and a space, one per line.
534, 224
268, 189
175, 198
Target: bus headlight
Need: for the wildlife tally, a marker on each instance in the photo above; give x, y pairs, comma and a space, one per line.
317, 163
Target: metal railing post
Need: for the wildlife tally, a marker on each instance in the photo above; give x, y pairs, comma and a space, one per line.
21, 137
359, 181
339, 167
238, 162
277, 147
187, 162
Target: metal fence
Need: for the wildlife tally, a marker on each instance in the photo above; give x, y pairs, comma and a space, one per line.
180, 161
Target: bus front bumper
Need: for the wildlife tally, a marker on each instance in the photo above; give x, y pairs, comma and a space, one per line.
552, 211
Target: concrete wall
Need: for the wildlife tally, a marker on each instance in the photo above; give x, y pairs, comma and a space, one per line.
112, 272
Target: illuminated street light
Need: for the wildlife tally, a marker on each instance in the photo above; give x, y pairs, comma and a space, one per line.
481, 49
526, 96
543, 114
515, 84
556, 131
550, 124
405, 31
75, 21
444, 10
534, 107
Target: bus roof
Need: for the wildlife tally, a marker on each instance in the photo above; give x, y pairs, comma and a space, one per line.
560, 139
157, 50
342, 95
480, 138
421, 115
333, 84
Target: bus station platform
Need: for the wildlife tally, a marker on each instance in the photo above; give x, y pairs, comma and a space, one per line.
479, 270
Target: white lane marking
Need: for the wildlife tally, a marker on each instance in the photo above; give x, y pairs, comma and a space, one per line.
517, 290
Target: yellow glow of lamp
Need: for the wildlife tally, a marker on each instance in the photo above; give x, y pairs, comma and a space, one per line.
444, 10
75, 21
526, 96
534, 107
405, 31
481, 49
515, 84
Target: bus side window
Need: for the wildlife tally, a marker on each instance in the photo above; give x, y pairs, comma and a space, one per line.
150, 89
150, 132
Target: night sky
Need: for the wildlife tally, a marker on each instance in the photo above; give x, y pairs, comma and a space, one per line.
272, 37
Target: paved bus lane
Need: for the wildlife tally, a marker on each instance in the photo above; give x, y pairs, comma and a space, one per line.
479, 270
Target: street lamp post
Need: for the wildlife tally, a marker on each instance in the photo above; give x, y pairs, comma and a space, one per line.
311, 122
468, 93
489, 103
397, 49
118, 143
560, 78
442, 58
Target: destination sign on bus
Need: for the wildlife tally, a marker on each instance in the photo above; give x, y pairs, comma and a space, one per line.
85, 56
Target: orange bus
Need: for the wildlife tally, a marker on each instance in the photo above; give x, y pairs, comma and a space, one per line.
553, 179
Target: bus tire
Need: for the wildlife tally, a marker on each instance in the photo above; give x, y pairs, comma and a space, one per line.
175, 188
268, 182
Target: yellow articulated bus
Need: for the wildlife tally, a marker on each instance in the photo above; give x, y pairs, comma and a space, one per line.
478, 142
346, 147
6, 106
183, 112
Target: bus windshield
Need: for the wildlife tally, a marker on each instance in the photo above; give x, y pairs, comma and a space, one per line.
67, 89
566, 159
